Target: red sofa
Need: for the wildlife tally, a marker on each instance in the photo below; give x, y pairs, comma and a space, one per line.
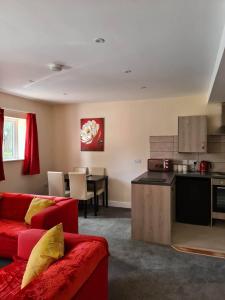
13, 208
81, 274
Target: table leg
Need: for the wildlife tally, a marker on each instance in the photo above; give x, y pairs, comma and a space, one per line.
85, 209
106, 191
95, 200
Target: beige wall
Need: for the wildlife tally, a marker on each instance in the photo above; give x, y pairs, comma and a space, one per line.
128, 125
15, 182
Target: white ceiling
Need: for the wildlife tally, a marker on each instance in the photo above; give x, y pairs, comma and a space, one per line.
170, 46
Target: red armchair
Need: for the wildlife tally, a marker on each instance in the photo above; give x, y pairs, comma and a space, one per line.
81, 274
13, 208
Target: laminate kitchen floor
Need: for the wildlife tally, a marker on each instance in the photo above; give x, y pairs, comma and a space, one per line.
202, 237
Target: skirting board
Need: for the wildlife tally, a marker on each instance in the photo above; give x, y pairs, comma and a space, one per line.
120, 204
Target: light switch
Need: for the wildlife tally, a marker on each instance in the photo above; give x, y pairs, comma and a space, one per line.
137, 161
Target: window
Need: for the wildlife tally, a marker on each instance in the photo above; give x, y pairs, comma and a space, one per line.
14, 138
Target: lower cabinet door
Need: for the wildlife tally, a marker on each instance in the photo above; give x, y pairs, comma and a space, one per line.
193, 200
151, 213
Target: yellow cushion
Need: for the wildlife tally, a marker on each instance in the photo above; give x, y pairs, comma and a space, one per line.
36, 206
47, 250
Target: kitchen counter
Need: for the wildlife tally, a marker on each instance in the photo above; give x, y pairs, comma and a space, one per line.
155, 178
167, 178
155, 204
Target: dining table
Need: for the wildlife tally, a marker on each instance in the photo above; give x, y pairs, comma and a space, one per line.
93, 180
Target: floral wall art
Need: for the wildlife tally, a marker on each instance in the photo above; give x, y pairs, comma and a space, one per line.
92, 134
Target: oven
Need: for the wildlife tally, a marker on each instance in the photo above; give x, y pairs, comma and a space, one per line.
218, 196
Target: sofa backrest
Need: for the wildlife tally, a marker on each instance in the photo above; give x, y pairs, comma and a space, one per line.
14, 206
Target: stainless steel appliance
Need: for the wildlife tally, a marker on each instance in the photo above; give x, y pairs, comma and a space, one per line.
160, 165
218, 196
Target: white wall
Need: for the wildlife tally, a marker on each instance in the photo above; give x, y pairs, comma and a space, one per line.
15, 181
128, 125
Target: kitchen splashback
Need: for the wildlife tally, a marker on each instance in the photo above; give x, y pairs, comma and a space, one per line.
167, 147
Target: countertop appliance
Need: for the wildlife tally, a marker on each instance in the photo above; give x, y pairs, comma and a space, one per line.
160, 165
204, 166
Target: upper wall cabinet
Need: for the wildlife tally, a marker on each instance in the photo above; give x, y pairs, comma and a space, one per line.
192, 134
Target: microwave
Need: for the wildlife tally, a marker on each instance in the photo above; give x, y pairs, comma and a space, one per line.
160, 165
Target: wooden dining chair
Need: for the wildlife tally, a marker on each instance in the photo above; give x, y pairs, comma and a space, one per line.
56, 184
80, 169
78, 188
101, 185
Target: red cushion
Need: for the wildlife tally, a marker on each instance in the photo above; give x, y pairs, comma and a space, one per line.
9, 231
11, 228
14, 206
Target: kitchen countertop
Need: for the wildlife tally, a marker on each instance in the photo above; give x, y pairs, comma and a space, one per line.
164, 178
167, 178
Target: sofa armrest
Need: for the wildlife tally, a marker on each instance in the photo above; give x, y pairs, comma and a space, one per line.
27, 239
65, 212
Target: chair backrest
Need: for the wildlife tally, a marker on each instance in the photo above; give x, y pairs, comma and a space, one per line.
78, 185
96, 171
80, 169
56, 184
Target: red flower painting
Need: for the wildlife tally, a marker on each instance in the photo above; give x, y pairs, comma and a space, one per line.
92, 134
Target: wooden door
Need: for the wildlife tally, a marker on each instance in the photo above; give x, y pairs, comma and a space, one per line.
192, 134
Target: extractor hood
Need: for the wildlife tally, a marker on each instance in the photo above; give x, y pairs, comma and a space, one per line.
221, 129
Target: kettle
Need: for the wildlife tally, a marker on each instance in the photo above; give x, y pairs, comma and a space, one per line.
204, 166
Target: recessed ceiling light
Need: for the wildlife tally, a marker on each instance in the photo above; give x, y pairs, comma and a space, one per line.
143, 87
127, 71
55, 67
100, 40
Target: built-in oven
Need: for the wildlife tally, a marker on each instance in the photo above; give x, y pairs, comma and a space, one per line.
218, 198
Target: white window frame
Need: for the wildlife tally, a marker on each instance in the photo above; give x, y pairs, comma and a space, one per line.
16, 156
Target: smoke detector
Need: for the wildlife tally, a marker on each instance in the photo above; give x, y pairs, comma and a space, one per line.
100, 40
55, 67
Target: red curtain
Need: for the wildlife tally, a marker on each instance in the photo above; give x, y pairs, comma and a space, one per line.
31, 165
2, 174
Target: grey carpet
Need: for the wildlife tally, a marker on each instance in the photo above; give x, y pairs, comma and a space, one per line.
142, 271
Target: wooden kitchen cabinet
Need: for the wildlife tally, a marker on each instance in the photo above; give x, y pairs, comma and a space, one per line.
152, 213
192, 134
